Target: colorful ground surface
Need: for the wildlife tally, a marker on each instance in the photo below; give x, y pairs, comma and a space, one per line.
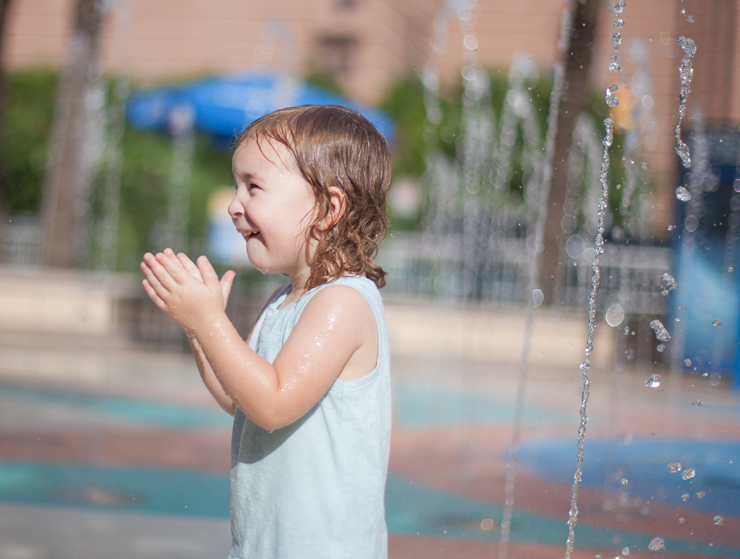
121, 470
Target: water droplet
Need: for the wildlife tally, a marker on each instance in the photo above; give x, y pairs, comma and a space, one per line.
670, 281
683, 11
685, 497
650, 39
660, 348
654, 382
626, 551
687, 362
613, 67
730, 269
487, 524
715, 379
614, 315
695, 403
619, 7
626, 330
719, 521
674, 467
665, 292
619, 24
597, 556
716, 323
690, 19
683, 152
700, 494
643, 165
656, 544
688, 473
681, 520
681, 308
691, 223
670, 228
683, 194
610, 99
624, 481
660, 332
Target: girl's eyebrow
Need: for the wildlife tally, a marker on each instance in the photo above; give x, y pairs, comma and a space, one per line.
247, 175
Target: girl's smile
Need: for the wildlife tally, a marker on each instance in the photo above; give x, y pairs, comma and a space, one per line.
272, 209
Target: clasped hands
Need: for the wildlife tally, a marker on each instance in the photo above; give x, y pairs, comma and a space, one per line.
191, 294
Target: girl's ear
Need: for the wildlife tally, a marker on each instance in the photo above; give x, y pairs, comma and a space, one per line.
337, 206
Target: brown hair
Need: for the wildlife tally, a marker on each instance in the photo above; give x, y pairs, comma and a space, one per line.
334, 146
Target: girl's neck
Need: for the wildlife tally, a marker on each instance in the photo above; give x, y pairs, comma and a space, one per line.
297, 289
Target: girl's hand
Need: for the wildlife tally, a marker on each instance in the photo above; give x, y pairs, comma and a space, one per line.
191, 295
227, 280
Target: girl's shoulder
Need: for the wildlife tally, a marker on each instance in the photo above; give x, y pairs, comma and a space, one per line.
356, 284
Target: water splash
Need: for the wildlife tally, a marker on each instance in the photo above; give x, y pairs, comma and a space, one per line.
534, 269
694, 212
683, 194
173, 230
686, 72
670, 283
656, 544
653, 381
688, 473
585, 393
716, 323
660, 331
611, 101
638, 218
610, 98
719, 521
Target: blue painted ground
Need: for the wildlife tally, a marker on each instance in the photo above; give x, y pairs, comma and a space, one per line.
410, 508
416, 405
422, 405
644, 464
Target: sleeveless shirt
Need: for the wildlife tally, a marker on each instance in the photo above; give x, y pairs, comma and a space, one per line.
315, 488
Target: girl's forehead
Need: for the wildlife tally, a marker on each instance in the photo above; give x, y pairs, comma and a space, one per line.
263, 152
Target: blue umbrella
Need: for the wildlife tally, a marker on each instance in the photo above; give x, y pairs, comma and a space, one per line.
223, 106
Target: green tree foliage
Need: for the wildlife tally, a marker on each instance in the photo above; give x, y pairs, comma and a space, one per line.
27, 126
144, 175
405, 103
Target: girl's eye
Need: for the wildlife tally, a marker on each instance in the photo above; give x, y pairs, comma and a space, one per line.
252, 187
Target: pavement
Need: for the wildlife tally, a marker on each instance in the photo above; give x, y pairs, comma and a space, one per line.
107, 450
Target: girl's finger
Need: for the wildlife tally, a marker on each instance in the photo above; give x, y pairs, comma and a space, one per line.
210, 277
152, 279
189, 266
227, 280
153, 294
169, 274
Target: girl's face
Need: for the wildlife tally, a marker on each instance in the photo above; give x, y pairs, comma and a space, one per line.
272, 208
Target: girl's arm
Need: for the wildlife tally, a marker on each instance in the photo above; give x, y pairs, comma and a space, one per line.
204, 368
336, 332
209, 377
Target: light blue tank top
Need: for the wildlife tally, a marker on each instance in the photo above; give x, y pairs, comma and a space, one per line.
315, 489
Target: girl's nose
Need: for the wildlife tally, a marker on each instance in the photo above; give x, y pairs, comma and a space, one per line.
235, 208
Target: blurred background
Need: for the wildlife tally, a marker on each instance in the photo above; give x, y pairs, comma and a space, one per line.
117, 124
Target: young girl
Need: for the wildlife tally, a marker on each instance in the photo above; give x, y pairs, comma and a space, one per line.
310, 388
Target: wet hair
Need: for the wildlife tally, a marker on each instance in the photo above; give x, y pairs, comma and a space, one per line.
334, 146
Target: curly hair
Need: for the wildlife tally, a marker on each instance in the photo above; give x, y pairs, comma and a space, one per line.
334, 146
